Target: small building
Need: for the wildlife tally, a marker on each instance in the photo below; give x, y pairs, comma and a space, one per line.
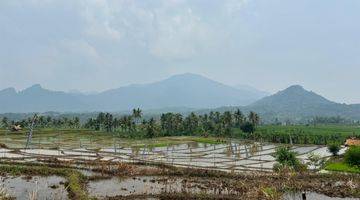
352, 142
16, 128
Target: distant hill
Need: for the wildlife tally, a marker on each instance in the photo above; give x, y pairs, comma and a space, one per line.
180, 91
296, 104
38, 99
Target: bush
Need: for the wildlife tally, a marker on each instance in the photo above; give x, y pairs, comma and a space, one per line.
334, 148
352, 156
248, 127
286, 157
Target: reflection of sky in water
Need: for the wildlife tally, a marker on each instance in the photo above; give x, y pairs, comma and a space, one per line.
237, 156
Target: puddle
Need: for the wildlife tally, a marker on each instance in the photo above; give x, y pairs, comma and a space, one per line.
152, 185
312, 196
22, 188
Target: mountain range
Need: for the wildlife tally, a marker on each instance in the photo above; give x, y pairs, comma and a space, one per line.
181, 93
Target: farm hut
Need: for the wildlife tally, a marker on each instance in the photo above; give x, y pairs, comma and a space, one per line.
352, 142
16, 128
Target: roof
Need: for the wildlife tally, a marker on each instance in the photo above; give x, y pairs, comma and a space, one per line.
352, 142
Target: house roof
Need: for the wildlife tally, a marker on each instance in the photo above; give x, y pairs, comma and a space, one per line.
352, 142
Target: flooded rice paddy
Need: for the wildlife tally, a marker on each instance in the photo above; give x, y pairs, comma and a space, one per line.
35, 187
149, 181
231, 156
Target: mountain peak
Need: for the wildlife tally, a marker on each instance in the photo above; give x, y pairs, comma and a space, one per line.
187, 76
33, 88
295, 87
294, 96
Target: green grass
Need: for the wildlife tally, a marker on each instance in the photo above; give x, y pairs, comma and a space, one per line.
208, 140
302, 134
74, 138
342, 167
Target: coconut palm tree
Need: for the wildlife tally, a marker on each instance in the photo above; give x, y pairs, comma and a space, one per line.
5, 122
137, 114
239, 118
150, 128
254, 118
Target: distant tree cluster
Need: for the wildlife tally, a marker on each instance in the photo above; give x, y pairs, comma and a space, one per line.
43, 122
330, 120
171, 124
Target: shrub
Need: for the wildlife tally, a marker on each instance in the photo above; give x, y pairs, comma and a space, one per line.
248, 127
352, 156
334, 148
316, 160
286, 157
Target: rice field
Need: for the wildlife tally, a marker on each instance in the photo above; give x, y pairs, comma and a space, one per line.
83, 164
234, 155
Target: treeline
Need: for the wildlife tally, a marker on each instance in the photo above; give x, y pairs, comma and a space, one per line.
332, 120
320, 135
43, 122
174, 124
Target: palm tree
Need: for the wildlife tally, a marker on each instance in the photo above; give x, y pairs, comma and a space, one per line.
108, 123
5, 122
254, 118
239, 118
150, 128
137, 113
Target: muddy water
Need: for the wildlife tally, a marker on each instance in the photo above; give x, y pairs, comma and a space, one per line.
150, 185
312, 196
24, 188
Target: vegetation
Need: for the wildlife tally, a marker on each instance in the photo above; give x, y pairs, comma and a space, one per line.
342, 167
227, 124
174, 124
287, 159
302, 134
352, 156
334, 148
316, 160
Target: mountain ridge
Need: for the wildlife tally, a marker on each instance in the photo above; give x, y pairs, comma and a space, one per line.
182, 90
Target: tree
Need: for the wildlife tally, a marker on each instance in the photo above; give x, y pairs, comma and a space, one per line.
285, 157
108, 122
150, 128
254, 118
137, 113
334, 148
352, 156
76, 122
239, 118
5, 122
248, 127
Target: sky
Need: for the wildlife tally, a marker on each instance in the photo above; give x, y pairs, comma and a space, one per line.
94, 45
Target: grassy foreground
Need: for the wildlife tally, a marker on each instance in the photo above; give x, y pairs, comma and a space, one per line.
342, 167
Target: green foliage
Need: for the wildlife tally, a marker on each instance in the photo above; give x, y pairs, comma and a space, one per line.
248, 127
286, 157
334, 148
342, 167
316, 160
352, 156
301, 134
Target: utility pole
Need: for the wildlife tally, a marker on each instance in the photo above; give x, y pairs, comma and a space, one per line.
29, 135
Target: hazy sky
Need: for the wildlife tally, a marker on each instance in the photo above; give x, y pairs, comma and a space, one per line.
100, 44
